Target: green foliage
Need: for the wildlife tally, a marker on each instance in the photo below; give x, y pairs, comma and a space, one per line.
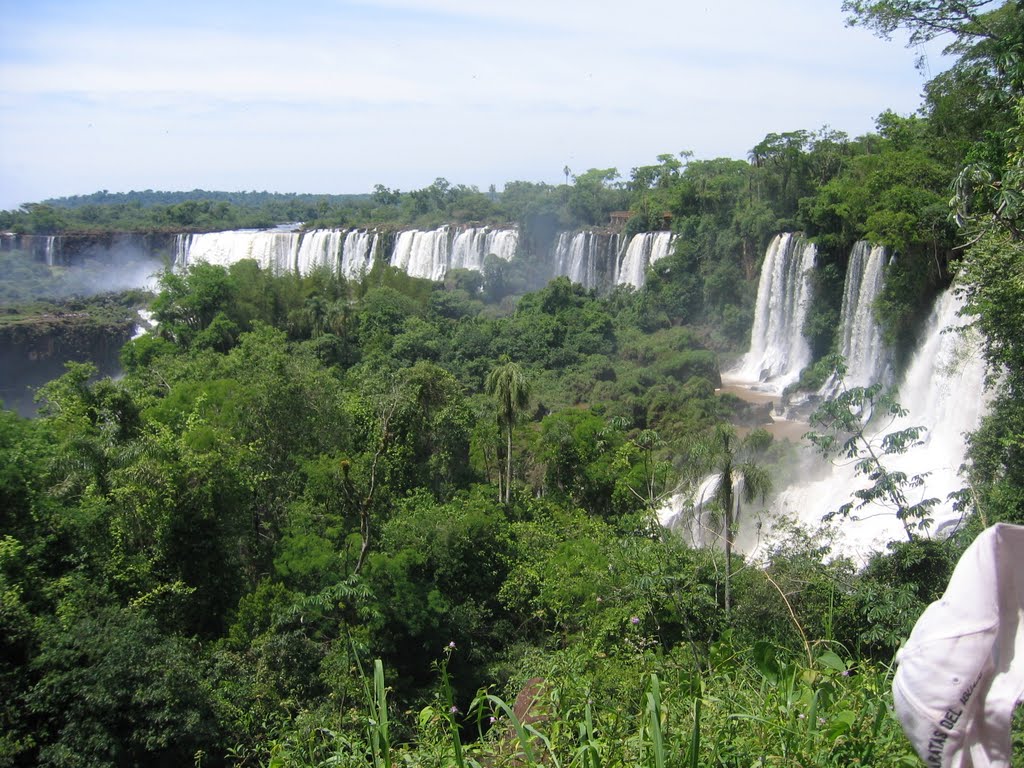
113, 689
891, 592
298, 475
853, 431
594, 195
508, 385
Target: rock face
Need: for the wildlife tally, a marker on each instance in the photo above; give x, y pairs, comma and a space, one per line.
73, 250
33, 351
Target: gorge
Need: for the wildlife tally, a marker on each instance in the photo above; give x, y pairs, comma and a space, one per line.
778, 351
396, 462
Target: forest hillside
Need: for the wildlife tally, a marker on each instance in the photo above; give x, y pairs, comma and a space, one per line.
389, 520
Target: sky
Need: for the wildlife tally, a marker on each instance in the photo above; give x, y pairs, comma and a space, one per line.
335, 96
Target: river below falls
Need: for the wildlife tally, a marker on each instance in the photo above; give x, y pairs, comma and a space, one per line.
780, 428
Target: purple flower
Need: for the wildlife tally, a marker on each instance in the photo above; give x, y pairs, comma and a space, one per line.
634, 620
492, 719
451, 646
454, 710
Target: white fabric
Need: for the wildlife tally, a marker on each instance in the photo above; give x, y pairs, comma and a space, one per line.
961, 671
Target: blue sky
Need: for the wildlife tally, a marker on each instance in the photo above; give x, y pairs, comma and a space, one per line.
333, 97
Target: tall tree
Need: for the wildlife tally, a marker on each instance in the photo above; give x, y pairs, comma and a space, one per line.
508, 384
740, 479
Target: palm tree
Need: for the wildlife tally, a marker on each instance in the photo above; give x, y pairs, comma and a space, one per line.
740, 479
508, 384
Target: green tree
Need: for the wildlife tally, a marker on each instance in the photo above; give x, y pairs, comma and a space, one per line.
851, 421
578, 449
740, 478
508, 385
113, 690
188, 303
594, 195
924, 19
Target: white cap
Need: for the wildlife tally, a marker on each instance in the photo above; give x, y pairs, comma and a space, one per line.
960, 673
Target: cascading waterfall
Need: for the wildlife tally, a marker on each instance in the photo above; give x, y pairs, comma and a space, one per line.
432, 253
52, 248
861, 344
273, 250
422, 254
47, 248
588, 258
574, 258
181, 248
942, 391
778, 350
692, 517
318, 249
470, 246
594, 259
358, 251
350, 251
644, 249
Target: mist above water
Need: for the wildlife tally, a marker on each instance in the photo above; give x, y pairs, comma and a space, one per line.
942, 391
98, 269
49, 311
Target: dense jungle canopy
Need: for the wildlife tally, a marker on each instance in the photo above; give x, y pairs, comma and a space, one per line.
334, 522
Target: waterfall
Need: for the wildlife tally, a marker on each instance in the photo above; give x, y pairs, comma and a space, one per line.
351, 252
692, 517
861, 344
588, 258
472, 245
274, 250
643, 250
46, 248
431, 254
572, 258
52, 248
318, 248
357, 253
181, 248
942, 391
778, 350
422, 254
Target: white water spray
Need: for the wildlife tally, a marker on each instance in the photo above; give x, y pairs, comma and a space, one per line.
357, 253
943, 391
273, 250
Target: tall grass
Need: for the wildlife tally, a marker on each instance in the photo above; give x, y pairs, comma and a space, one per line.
755, 707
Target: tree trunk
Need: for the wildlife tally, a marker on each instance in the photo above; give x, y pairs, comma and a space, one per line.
728, 559
508, 464
364, 533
